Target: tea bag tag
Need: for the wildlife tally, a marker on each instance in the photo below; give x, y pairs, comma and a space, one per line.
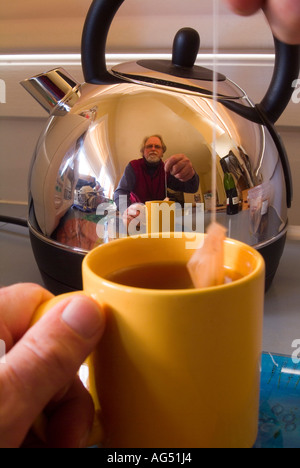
206, 266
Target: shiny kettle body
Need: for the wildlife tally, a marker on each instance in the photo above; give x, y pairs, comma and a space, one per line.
96, 128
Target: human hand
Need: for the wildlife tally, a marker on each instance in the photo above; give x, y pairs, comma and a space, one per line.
39, 372
283, 16
132, 212
180, 167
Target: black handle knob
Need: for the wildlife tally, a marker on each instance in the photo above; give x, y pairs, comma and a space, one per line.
185, 48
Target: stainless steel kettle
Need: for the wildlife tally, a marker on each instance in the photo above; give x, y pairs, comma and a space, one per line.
95, 129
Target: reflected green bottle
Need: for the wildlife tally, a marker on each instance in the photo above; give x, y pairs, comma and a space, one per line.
232, 195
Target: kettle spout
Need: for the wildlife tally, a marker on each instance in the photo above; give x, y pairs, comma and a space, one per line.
56, 91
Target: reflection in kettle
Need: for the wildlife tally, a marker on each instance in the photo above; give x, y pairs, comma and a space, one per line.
91, 148
83, 155
95, 129
240, 166
148, 179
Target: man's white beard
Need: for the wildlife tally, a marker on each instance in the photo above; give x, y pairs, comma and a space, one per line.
153, 158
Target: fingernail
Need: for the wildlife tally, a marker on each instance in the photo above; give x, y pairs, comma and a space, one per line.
83, 316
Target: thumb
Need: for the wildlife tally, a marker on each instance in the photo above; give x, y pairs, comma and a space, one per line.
45, 361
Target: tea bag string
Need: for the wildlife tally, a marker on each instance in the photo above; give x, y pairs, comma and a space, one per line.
215, 102
206, 266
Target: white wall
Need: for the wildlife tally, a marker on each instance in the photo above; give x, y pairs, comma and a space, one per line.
140, 25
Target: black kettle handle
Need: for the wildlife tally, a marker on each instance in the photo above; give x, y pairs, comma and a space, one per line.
286, 70
93, 47
279, 93
94, 37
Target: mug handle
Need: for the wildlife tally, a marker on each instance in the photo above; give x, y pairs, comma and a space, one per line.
97, 435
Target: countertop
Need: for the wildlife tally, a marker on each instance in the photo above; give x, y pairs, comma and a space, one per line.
282, 301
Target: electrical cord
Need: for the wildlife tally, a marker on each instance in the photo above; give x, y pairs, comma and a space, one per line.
11, 220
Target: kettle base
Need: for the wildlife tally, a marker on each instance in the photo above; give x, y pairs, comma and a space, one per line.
61, 269
272, 254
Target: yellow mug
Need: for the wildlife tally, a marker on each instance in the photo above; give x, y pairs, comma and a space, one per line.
160, 216
176, 368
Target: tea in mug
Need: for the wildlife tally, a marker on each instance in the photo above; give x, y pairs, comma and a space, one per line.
169, 275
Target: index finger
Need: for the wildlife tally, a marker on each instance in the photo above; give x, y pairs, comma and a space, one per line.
17, 306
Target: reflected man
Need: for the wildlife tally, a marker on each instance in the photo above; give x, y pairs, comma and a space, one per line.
147, 178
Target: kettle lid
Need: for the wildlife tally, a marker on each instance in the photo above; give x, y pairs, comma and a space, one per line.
162, 74
180, 74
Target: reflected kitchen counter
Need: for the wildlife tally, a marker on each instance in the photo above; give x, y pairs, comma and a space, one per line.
282, 310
